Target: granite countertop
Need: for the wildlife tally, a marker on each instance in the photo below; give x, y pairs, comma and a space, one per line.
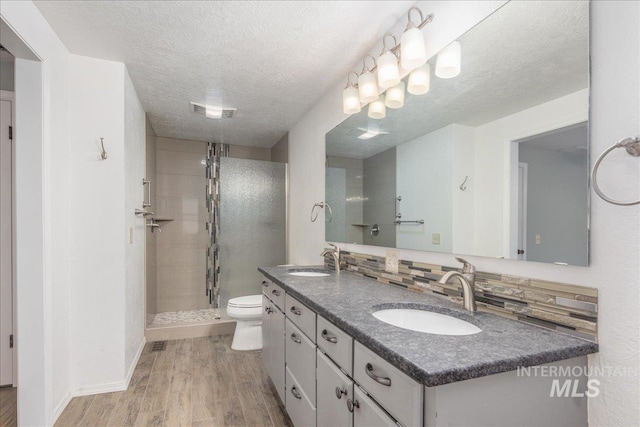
347, 300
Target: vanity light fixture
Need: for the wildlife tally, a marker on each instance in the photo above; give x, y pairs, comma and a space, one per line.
350, 96
448, 61
388, 72
367, 84
395, 96
377, 109
420, 80
413, 53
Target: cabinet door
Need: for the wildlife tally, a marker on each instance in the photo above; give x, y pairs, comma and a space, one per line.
334, 388
367, 413
273, 345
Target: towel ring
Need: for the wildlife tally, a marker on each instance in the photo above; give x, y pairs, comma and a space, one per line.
632, 145
315, 212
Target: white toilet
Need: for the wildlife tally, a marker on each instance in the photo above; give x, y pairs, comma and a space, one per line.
247, 311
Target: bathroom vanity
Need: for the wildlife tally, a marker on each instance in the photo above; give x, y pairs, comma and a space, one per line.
334, 364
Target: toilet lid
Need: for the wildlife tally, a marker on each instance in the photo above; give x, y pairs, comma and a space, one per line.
246, 301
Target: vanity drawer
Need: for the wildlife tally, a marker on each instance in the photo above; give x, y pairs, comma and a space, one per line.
366, 413
400, 395
302, 316
274, 292
301, 359
299, 408
337, 344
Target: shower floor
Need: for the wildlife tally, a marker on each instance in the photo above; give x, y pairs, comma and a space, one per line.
184, 324
173, 318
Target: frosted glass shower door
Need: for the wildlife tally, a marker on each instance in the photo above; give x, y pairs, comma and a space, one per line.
252, 223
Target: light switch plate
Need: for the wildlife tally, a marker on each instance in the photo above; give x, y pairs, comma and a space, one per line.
435, 238
537, 239
391, 262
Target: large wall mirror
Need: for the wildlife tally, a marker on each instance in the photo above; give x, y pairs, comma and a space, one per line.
493, 162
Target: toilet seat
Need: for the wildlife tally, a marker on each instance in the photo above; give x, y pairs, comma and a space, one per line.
249, 301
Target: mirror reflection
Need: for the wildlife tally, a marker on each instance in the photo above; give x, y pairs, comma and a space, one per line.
492, 162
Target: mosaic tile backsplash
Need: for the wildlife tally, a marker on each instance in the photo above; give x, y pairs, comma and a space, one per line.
565, 308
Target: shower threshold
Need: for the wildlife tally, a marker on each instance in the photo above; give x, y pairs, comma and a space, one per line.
189, 324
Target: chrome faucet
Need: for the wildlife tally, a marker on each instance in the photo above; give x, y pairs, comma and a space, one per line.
468, 281
335, 253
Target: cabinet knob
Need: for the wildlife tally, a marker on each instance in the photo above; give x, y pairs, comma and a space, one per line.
340, 391
352, 404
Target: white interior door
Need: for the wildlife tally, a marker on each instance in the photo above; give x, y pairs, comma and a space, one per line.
522, 211
6, 236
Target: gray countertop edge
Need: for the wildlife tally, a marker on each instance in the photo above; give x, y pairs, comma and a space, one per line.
431, 379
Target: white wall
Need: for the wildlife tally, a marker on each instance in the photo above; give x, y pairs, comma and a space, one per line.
97, 209
615, 231
135, 233
423, 165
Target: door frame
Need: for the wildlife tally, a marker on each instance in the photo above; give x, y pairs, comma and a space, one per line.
522, 208
10, 96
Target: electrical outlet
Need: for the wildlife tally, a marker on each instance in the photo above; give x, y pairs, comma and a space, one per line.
391, 262
435, 238
537, 239
130, 235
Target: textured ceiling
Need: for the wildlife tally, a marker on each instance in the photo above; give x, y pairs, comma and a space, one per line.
272, 60
525, 54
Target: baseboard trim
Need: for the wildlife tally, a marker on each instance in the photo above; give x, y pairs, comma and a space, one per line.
132, 368
61, 407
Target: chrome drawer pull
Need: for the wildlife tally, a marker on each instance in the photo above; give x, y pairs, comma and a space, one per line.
275, 292
329, 338
295, 339
295, 311
340, 391
381, 380
352, 404
296, 393
265, 284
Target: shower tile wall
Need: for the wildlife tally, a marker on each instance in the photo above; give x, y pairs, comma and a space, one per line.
181, 246
379, 197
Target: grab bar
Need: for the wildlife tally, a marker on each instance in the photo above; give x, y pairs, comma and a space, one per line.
147, 203
632, 145
417, 221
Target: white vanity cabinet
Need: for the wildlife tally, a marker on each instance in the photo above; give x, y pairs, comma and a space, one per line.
273, 346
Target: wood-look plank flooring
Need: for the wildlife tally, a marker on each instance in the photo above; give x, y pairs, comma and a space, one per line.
8, 409
194, 382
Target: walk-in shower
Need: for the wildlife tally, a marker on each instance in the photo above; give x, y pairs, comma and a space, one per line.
221, 218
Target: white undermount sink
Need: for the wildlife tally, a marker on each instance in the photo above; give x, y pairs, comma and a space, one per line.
426, 321
308, 272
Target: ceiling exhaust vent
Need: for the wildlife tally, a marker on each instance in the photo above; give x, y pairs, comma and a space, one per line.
213, 112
